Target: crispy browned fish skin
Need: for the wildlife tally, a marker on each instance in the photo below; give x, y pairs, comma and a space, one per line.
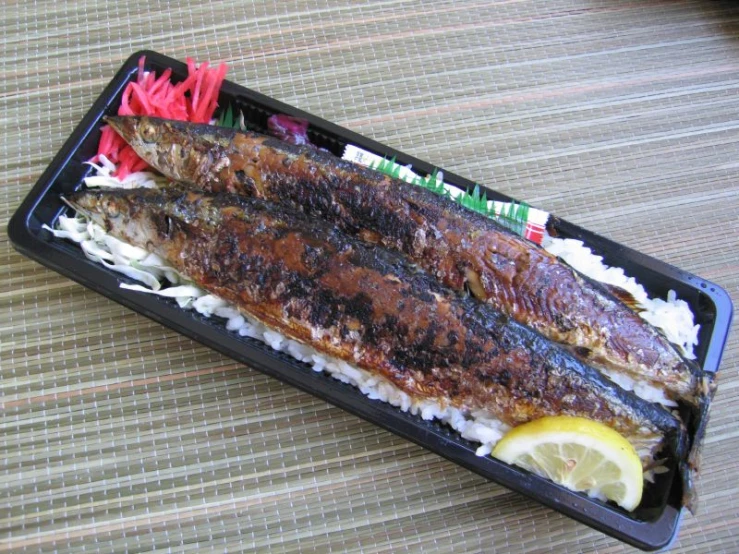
461, 248
370, 307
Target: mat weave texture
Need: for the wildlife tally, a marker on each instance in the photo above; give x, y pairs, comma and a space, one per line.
117, 434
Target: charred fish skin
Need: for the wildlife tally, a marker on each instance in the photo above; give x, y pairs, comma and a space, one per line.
371, 308
461, 248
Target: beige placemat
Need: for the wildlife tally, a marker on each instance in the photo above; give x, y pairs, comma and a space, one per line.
119, 435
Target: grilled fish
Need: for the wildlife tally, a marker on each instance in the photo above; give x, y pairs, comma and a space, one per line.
463, 249
372, 308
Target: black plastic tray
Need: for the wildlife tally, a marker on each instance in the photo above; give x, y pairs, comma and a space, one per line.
652, 526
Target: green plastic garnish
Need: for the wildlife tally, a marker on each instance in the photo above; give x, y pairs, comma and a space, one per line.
513, 215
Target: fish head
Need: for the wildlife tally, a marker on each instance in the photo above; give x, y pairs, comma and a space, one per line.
178, 149
132, 216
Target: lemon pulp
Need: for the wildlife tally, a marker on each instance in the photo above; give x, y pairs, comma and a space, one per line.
578, 453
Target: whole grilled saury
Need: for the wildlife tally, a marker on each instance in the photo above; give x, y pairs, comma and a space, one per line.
370, 307
461, 248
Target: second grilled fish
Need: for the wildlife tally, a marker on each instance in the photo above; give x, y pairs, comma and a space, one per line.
461, 248
371, 308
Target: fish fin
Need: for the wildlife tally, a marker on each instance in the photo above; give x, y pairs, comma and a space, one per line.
625, 297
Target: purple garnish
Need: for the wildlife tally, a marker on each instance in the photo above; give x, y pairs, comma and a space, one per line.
288, 128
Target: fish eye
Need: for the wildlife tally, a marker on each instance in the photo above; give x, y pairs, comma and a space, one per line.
111, 209
178, 151
149, 133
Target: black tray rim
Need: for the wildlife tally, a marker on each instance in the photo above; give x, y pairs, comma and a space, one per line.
654, 534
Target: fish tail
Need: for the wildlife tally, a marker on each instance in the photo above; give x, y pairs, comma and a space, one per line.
690, 466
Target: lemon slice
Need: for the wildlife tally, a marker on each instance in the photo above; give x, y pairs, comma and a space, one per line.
578, 453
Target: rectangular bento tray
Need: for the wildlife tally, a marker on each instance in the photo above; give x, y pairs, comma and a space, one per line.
652, 526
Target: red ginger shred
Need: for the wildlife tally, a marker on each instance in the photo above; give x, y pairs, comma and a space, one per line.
195, 100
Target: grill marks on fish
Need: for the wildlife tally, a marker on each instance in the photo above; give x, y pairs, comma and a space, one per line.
463, 249
371, 308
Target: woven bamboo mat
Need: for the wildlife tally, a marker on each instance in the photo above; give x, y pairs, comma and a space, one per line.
119, 435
